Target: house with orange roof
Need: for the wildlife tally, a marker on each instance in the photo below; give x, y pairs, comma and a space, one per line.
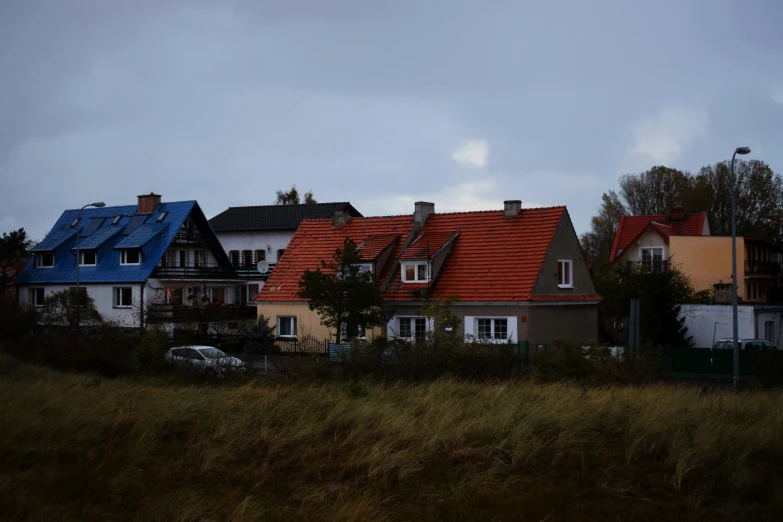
512, 274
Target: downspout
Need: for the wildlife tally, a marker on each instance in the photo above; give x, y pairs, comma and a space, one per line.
141, 306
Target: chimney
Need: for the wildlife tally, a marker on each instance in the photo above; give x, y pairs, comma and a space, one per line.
340, 218
677, 214
148, 203
512, 207
421, 212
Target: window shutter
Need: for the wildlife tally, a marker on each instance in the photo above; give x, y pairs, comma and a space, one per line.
469, 324
512, 328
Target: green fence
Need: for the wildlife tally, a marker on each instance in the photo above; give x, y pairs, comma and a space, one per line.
720, 363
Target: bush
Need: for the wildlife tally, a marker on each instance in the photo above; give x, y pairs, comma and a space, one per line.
260, 337
16, 320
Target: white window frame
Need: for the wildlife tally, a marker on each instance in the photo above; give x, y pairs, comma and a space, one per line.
117, 297
471, 328
39, 260
492, 326
412, 318
405, 265
32, 293
562, 264
81, 257
652, 251
124, 257
280, 319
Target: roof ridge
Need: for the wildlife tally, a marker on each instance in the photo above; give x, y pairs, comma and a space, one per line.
292, 205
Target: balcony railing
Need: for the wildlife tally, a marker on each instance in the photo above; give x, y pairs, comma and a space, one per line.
653, 265
189, 236
194, 271
251, 272
768, 268
206, 313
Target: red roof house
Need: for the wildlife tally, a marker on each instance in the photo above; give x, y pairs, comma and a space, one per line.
632, 229
514, 274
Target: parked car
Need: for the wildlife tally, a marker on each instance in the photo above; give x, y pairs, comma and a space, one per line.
207, 358
745, 344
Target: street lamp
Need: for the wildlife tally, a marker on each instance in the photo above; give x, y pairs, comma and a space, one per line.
97, 204
740, 150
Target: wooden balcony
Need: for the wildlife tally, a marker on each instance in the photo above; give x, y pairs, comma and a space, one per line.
193, 271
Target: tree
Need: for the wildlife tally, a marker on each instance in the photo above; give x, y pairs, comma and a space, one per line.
291, 197
340, 291
656, 191
597, 243
260, 336
661, 292
14, 249
60, 309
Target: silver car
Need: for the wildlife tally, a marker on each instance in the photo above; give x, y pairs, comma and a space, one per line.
745, 344
207, 358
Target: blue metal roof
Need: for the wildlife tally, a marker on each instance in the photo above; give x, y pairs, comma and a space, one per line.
142, 235
152, 237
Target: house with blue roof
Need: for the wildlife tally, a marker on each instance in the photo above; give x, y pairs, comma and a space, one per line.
140, 263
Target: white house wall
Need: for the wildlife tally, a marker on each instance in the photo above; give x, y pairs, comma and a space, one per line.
269, 241
708, 322
650, 239
103, 295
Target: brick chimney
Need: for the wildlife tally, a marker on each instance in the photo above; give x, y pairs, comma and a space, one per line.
676, 218
340, 218
148, 203
512, 207
421, 212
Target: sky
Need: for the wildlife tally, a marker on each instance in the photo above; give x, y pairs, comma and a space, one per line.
465, 103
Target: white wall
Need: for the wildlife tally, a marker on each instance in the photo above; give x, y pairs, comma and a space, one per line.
775, 317
269, 241
705, 321
103, 295
650, 239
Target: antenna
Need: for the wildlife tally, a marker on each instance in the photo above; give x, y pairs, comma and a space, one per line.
262, 266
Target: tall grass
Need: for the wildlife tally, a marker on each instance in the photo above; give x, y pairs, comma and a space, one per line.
75, 447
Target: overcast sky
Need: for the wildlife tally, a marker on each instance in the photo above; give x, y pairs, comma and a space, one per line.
464, 103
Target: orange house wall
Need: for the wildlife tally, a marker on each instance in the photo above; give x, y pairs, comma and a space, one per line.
706, 260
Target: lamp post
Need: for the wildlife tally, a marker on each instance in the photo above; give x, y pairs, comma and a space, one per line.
97, 204
734, 286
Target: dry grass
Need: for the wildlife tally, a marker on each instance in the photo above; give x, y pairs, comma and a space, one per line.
73, 447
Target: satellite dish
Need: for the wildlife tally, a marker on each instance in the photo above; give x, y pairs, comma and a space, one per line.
262, 266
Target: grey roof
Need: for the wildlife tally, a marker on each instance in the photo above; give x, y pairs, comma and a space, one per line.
276, 217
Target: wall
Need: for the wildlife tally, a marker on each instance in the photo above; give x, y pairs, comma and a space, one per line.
268, 240
103, 295
564, 245
706, 260
308, 322
577, 323
701, 322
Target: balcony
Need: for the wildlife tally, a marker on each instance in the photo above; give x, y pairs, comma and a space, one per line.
189, 237
251, 272
763, 268
200, 314
653, 265
193, 271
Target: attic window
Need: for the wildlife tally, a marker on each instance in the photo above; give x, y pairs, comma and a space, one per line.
162, 216
130, 257
417, 272
75, 222
44, 260
116, 219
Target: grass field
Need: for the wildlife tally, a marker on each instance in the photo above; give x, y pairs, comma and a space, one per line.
74, 447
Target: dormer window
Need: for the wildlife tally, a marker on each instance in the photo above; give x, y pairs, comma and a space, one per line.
116, 219
75, 222
161, 216
130, 257
87, 257
44, 260
415, 272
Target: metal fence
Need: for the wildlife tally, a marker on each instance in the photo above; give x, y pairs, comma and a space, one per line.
719, 364
305, 346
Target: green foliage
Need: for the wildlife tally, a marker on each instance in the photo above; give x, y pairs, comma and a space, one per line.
339, 291
60, 309
260, 336
14, 249
291, 197
661, 292
16, 320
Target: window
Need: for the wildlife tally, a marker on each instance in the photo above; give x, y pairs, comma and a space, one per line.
413, 327
75, 222
173, 296
123, 297
218, 294
415, 272
87, 257
161, 216
183, 258
652, 258
280, 253
37, 296
492, 328
234, 255
564, 274
116, 219
353, 330
130, 257
252, 291
260, 255
247, 258
199, 258
44, 260
286, 326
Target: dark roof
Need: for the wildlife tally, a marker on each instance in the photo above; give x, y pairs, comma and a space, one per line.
280, 217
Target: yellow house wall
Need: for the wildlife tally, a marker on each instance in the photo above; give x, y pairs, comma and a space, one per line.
308, 322
706, 260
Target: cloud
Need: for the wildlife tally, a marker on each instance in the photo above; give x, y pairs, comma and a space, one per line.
664, 137
474, 153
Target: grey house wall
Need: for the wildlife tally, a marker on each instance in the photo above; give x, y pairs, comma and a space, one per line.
577, 323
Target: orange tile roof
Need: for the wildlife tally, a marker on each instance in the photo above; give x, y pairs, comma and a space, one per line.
494, 257
427, 244
372, 246
631, 228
